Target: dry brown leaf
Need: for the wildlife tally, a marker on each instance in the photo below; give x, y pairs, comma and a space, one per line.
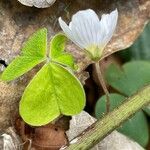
49, 137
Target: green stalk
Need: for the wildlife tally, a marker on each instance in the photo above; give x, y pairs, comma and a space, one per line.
111, 121
103, 84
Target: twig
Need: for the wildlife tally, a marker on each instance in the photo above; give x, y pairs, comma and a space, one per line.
103, 84
111, 121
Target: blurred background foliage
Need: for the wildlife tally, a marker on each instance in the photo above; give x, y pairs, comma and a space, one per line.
140, 50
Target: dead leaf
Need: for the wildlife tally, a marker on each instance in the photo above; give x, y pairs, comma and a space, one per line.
49, 137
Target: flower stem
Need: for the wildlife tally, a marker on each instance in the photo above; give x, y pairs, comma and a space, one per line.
103, 84
100, 129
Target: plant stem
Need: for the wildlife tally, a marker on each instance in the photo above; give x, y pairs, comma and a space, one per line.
103, 84
111, 121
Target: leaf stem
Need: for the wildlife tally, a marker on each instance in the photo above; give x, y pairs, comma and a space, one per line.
103, 84
100, 129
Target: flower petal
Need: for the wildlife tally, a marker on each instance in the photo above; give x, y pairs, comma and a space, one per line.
69, 33
85, 23
65, 28
107, 27
77, 36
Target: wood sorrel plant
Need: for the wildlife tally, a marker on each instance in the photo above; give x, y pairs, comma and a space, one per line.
54, 90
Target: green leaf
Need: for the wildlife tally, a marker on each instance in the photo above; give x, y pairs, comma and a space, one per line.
130, 78
19, 66
33, 53
136, 128
57, 53
115, 100
36, 45
52, 92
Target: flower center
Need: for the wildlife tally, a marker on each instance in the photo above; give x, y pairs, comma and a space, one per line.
95, 51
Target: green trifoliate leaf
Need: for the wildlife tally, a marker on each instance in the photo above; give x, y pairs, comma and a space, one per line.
57, 51
136, 127
52, 92
130, 78
33, 52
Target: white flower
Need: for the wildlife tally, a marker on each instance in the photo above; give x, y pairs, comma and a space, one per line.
90, 33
